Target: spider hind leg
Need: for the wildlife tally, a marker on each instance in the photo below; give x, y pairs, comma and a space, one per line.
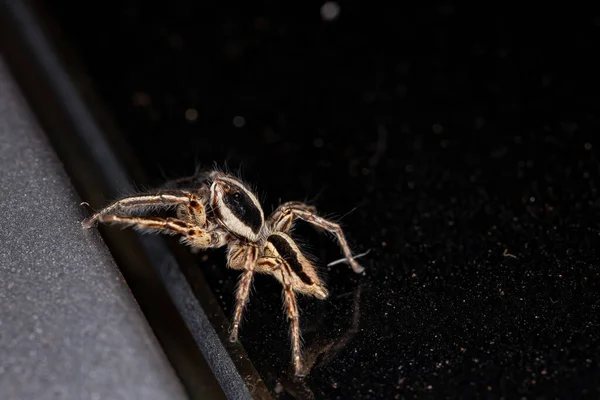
242, 257
282, 219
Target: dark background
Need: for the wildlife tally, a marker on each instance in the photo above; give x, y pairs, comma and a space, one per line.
458, 144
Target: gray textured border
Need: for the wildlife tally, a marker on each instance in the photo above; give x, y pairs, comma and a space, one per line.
69, 327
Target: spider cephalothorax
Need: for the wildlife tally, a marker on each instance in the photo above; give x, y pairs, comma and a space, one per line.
222, 211
236, 208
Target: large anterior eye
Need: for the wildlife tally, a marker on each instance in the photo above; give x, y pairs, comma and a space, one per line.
243, 208
235, 201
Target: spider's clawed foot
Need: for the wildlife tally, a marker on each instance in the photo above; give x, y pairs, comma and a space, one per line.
298, 368
89, 223
233, 335
356, 267
94, 220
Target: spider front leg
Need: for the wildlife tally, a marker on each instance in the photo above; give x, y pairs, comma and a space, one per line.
162, 199
282, 221
283, 217
191, 234
242, 257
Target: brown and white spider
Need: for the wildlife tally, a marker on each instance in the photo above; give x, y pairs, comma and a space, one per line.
223, 211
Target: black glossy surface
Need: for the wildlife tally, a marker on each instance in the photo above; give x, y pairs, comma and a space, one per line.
466, 139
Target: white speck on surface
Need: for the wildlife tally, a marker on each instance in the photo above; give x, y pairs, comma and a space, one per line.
330, 11
239, 121
191, 114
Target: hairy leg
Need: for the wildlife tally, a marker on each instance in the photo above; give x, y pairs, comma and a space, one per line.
250, 256
140, 203
281, 220
283, 216
293, 315
191, 234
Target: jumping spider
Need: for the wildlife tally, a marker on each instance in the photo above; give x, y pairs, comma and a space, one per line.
223, 211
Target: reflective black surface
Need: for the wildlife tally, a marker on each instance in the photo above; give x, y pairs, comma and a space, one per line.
459, 145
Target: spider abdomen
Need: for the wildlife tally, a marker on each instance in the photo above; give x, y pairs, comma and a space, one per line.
304, 275
290, 255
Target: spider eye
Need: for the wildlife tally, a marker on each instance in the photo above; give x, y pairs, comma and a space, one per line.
241, 211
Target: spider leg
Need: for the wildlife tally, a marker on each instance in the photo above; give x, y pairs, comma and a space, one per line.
293, 315
243, 292
163, 199
192, 235
279, 268
282, 219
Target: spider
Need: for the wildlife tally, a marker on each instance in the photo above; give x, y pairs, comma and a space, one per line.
222, 211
